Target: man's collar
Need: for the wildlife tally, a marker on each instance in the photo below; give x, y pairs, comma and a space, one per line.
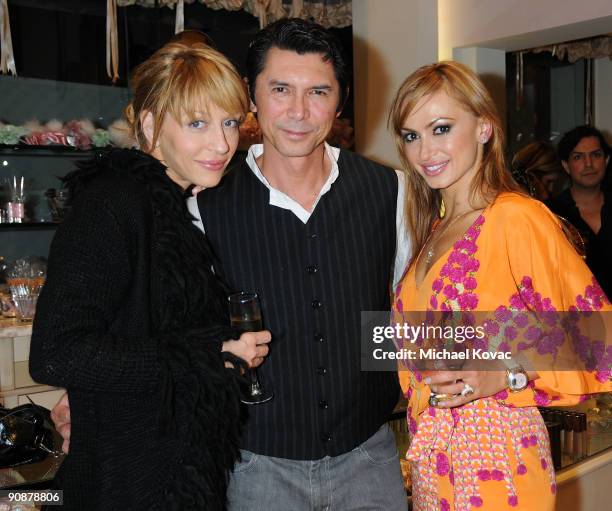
256, 150
280, 199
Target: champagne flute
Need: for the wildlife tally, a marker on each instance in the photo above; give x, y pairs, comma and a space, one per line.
245, 315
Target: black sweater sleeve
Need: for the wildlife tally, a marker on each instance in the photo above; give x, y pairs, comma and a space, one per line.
89, 277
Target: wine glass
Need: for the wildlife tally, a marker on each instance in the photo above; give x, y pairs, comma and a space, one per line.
245, 315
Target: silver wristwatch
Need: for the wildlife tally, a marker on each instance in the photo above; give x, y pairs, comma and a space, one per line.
517, 378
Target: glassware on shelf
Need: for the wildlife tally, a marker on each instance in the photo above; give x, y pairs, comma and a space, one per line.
25, 278
57, 200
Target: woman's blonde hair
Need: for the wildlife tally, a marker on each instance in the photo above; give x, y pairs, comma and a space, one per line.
181, 79
461, 83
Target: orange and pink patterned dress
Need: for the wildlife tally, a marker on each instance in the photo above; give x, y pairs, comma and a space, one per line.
493, 453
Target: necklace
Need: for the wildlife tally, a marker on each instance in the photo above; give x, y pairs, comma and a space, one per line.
430, 253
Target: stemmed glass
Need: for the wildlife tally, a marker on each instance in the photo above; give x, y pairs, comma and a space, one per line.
245, 315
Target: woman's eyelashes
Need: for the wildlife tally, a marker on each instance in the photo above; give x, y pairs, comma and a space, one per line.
197, 124
231, 123
441, 129
411, 136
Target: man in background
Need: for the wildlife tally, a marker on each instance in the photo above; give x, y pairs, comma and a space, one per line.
585, 155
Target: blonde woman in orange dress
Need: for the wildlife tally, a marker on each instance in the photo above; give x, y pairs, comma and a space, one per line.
477, 438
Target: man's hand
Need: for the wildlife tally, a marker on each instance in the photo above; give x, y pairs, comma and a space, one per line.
60, 415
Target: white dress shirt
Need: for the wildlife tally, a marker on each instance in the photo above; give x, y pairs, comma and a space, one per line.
279, 199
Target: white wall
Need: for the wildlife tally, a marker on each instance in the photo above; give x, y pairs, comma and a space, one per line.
517, 24
603, 96
479, 32
394, 37
391, 38
490, 65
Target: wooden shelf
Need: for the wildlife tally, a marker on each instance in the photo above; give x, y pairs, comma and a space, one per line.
45, 150
26, 226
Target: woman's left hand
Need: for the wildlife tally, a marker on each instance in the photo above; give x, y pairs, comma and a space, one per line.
467, 385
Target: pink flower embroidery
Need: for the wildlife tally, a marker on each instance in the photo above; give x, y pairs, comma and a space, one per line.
517, 303
491, 327
513, 500
502, 394
459, 258
497, 475
445, 269
465, 245
472, 232
475, 501
450, 291
468, 301
541, 398
510, 333
472, 265
455, 415
484, 475
412, 426
504, 346
521, 320
455, 275
437, 285
399, 305
470, 283
442, 464
521, 470
433, 301
543, 463
444, 505
502, 314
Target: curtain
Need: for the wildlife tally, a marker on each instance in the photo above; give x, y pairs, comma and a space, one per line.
594, 48
329, 13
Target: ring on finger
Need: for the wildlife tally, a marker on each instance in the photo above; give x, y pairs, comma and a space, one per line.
468, 390
436, 399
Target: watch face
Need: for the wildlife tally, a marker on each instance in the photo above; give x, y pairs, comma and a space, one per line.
519, 381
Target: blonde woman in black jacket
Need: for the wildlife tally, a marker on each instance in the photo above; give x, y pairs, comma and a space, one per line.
132, 319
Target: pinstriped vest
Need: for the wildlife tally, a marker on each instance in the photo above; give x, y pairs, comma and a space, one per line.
314, 280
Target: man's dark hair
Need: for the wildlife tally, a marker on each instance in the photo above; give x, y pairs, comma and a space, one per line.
573, 137
302, 37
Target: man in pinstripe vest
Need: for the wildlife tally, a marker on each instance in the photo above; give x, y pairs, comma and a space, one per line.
313, 229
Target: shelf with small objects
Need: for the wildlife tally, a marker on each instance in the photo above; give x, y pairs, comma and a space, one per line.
31, 196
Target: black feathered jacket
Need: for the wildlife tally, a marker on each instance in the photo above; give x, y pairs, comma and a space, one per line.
131, 321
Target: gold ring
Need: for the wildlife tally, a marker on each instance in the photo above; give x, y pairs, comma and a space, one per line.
436, 399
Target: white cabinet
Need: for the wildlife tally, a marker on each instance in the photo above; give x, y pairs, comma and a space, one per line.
16, 385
